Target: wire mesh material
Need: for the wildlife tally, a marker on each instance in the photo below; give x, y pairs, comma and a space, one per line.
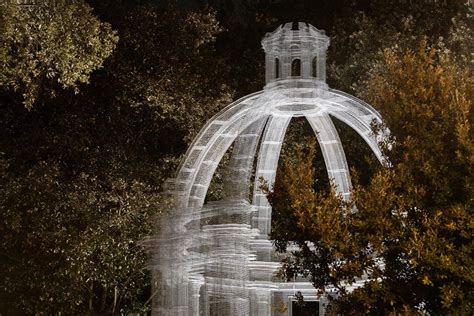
215, 258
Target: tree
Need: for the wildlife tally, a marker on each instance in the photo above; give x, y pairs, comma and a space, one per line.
410, 233
81, 173
173, 71
73, 245
51, 44
366, 31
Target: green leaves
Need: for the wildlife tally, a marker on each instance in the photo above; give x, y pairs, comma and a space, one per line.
51, 45
81, 175
67, 241
173, 70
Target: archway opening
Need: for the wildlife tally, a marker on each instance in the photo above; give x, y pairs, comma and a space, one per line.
314, 67
300, 135
277, 68
296, 67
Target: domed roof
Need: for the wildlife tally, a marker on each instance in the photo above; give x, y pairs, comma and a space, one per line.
219, 253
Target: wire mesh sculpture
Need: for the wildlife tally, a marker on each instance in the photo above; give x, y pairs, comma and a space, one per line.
216, 258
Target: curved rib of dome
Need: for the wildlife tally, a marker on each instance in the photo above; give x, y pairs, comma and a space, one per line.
216, 258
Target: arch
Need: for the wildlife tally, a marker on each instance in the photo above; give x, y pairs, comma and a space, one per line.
359, 116
217, 119
296, 67
277, 68
237, 182
213, 153
314, 67
333, 152
294, 47
267, 164
225, 126
362, 128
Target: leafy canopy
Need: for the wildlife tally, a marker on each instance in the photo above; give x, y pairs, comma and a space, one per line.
49, 45
81, 173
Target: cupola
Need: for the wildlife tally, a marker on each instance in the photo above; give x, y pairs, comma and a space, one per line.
295, 51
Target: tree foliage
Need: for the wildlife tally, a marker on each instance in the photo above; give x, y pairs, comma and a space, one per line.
72, 245
52, 44
81, 173
409, 231
173, 70
391, 24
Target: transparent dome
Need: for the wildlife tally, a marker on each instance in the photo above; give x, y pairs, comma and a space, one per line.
216, 258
